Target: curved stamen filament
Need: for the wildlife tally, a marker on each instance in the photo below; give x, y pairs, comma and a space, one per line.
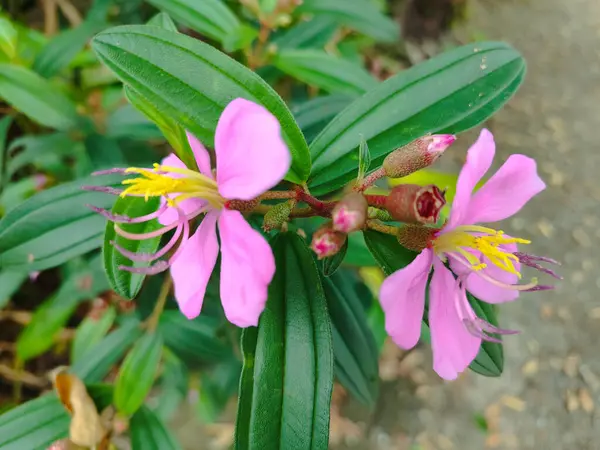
149, 257
485, 276
162, 265
117, 218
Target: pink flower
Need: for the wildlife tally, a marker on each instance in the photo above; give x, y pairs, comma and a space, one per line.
251, 157
482, 260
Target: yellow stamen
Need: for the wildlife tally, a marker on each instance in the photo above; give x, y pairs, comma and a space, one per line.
157, 182
487, 243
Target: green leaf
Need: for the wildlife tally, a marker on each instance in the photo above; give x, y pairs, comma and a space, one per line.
148, 432
34, 424
287, 378
313, 33
96, 362
388, 252
217, 386
125, 283
450, 93
332, 263
173, 132
192, 82
137, 373
127, 122
37, 98
174, 386
314, 114
10, 282
91, 331
490, 359
333, 74
163, 20
360, 15
54, 226
194, 341
61, 49
211, 18
364, 158
8, 38
103, 152
44, 152
5, 124
354, 347
358, 254
52, 315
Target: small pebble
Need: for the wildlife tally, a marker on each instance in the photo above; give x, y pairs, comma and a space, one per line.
586, 401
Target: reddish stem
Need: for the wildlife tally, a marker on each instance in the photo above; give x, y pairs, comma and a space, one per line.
320, 207
376, 200
370, 179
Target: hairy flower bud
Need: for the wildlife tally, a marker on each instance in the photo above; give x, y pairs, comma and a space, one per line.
277, 216
416, 237
350, 213
417, 155
242, 205
410, 203
326, 241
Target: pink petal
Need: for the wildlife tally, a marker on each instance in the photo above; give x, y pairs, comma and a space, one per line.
402, 298
251, 154
200, 154
193, 267
479, 160
187, 206
247, 268
506, 192
454, 348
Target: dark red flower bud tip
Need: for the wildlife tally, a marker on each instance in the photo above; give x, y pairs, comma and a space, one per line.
411, 203
429, 203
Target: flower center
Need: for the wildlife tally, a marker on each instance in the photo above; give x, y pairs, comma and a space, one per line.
159, 182
469, 241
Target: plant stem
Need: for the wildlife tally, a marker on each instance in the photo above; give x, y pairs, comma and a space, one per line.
160, 303
278, 195
370, 180
378, 226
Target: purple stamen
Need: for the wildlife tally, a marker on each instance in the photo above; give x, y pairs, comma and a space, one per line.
489, 328
119, 218
110, 171
532, 261
540, 287
103, 189
474, 330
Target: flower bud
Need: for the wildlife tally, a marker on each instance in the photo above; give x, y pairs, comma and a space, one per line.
416, 237
417, 155
350, 213
410, 203
242, 205
326, 241
277, 216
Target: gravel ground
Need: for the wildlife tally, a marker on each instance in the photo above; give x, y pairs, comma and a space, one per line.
547, 397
